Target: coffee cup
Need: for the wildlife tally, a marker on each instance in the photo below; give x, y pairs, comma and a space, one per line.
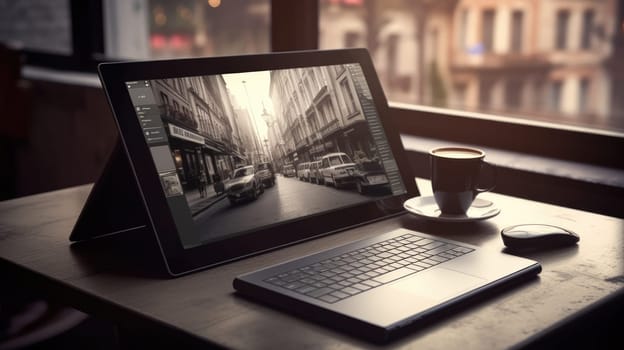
455, 175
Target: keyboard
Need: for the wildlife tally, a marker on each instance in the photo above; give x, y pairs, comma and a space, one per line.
357, 271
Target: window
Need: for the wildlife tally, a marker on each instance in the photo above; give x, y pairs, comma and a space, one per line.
470, 36
326, 111
153, 28
485, 94
164, 98
352, 39
513, 94
588, 28
184, 28
41, 25
463, 30
517, 18
555, 95
348, 96
583, 95
460, 95
391, 57
561, 36
488, 30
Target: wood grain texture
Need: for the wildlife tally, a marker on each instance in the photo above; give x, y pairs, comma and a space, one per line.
99, 278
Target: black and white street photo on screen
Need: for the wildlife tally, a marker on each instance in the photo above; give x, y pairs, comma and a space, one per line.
255, 149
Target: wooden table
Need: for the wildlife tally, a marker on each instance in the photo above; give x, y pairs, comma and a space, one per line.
203, 307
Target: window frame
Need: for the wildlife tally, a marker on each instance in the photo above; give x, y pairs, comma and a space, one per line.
87, 36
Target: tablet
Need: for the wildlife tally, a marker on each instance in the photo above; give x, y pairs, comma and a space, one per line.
234, 156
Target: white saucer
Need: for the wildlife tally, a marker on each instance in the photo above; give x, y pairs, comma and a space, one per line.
427, 208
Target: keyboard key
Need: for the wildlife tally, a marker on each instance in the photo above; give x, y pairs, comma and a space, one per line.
350, 290
329, 298
423, 241
433, 245
293, 285
439, 250
340, 295
389, 268
371, 283
319, 285
346, 275
305, 289
372, 274
438, 258
394, 275
415, 267
423, 264
361, 286
319, 292
430, 261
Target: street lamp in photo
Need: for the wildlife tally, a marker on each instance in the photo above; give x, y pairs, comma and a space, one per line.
257, 144
270, 122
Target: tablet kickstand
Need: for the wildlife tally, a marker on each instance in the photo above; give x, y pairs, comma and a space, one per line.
114, 204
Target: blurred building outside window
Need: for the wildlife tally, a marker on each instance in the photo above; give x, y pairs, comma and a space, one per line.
548, 60
40, 25
152, 29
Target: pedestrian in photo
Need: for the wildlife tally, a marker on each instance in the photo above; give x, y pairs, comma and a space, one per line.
218, 184
203, 181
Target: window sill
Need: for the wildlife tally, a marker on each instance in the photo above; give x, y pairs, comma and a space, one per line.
573, 184
62, 77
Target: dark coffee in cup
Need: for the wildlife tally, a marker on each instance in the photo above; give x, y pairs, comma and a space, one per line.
455, 174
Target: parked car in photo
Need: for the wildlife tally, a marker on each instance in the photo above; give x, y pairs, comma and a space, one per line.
314, 174
289, 170
265, 173
303, 170
244, 185
337, 169
370, 177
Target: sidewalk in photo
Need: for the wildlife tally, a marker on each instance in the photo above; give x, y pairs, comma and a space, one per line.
198, 204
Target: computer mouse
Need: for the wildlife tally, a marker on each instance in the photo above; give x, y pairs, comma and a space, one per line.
537, 236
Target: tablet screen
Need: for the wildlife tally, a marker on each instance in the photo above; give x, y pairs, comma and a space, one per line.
240, 152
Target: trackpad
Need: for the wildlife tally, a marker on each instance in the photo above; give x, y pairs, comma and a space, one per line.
437, 284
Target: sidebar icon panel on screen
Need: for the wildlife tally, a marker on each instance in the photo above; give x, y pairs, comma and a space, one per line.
153, 129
